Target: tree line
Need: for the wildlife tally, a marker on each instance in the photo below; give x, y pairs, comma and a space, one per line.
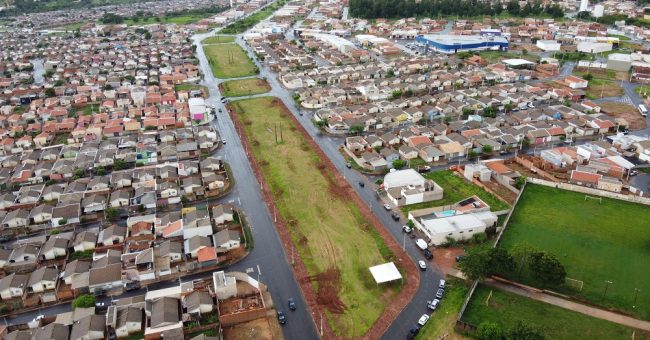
371, 9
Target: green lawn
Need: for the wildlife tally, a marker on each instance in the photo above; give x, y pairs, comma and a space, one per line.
173, 19
191, 87
619, 36
244, 87
506, 308
70, 27
326, 227
443, 320
643, 90
240, 26
455, 190
219, 39
229, 61
595, 242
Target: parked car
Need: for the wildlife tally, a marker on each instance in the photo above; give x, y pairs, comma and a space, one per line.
132, 286
395, 216
440, 293
634, 172
423, 319
291, 304
422, 265
428, 254
433, 304
223, 141
424, 168
349, 165
387, 206
361, 184
422, 244
406, 229
413, 332
100, 307
282, 319
442, 284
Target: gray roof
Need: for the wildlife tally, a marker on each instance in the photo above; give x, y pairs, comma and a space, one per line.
81, 328
13, 280
164, 310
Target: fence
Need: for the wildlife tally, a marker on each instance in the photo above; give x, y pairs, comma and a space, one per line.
591, 191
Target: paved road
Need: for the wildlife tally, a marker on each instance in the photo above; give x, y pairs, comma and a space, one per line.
428, 279
39, 71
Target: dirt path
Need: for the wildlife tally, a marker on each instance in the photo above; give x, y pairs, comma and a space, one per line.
538, 295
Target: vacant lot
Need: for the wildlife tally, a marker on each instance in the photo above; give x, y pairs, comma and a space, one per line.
443, 320
244, 87
595, 242
628, 112
455, 190
219, 39
602, 88
229, 61
506, 309
240, 26
326, 228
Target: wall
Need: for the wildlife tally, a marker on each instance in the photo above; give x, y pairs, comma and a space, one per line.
591, 191
233, 319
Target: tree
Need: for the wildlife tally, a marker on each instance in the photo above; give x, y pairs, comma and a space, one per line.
397, 94
501, 262
111, 18
486, 149
489, 331
84, 301
588, 77
513, 7
507, 107
467, 111
111, 213
519, 182
525, 142
523, 331
63, 221
475, 265
472, 154
547, 268
489, 111
49, 92
399, 163
100, 171
356, 129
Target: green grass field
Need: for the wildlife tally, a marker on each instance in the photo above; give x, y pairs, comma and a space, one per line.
443, 319
240, 26
244, 87
229, 61
455, 190
601, 88
506, 308
327, 228
595, 242
173, 19
191, 87
219, 39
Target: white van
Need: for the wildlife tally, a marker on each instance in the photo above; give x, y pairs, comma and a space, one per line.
422, 244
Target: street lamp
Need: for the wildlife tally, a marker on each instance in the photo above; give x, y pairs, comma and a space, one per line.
636, 294
607, 283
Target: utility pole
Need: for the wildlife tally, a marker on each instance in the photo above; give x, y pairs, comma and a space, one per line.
607, 283
636, 294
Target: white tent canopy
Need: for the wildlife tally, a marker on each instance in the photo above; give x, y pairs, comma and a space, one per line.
385, 272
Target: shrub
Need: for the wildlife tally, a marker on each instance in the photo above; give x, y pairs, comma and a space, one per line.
84, 301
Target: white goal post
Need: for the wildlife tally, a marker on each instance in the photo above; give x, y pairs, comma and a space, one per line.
577, 284
600, 199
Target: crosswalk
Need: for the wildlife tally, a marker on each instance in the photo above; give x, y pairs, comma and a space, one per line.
622, 99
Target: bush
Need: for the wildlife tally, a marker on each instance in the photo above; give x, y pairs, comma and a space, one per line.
84, 301
489, 331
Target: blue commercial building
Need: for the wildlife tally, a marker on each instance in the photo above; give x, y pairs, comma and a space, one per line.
462, 43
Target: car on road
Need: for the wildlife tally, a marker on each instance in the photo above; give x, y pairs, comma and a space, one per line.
387, 206
422, 265
291, 304
407, 229
433, 304
422, 244
361, 184
413, 332
395, 216
282, 319
428, 254
100, 307
423, 319
634, 172
424, 168
440, 293
132, 286
442, 284
348, 165
223, 141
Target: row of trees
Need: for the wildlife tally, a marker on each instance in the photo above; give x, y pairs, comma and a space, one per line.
370, 9
520, 330
541, 266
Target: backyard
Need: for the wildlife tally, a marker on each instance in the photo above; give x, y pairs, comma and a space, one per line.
320, 217
244, 87
219, 39
229, 61
596, 242
505, 309
455, 190
443, 320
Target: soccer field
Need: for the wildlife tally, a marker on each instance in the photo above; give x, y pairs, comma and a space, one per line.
597, 242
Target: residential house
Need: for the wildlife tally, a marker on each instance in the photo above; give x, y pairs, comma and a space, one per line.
13, 286
226, 240
43, 279
91, 327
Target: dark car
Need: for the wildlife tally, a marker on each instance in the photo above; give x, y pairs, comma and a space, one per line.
132, 286
428, 254
282, 319
440, 293
361, 184
459, 258
291, 304
395, 216
348, 165
413, 332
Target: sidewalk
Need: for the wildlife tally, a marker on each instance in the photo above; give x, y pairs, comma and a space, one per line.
538, 295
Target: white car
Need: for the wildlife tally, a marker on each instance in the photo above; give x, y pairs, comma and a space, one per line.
423, 319
422, 264
442, 284
422, 244
433, 304
387, 206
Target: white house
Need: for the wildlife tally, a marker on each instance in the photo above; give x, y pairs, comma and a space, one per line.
438, 227
13, 286
404, 187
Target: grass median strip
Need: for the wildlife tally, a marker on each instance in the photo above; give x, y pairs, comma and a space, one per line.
229, 61
244, 87
334, 241
219, 39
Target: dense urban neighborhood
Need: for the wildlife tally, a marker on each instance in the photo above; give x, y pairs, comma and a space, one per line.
277, 169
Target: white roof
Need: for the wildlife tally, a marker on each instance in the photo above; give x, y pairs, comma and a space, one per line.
457, 222
402, 178
622, 162
385, 272
517, 62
